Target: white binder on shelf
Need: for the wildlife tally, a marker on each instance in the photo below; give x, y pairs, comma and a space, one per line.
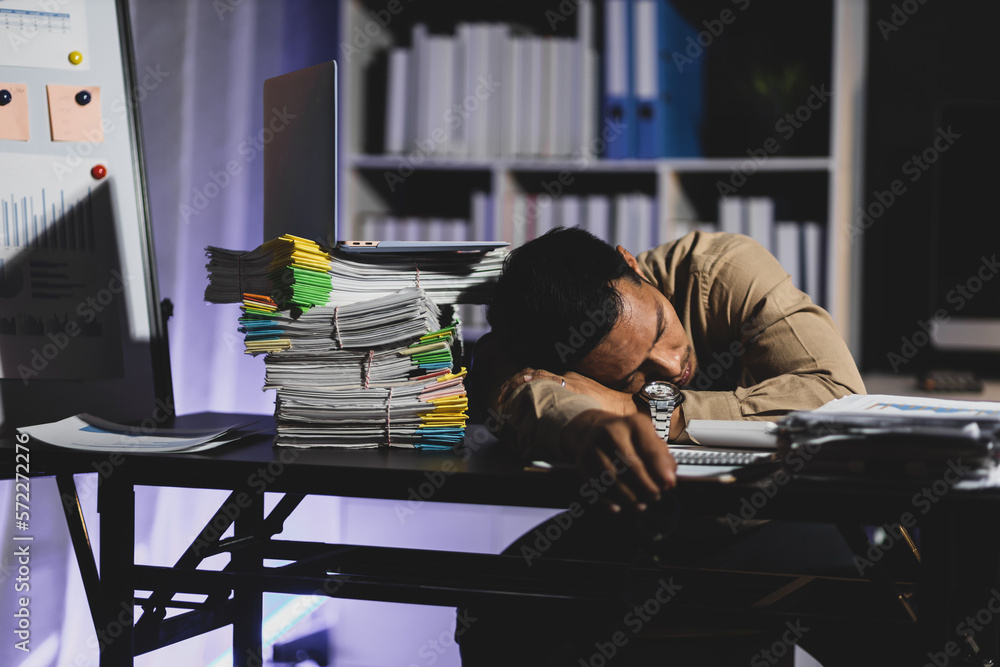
442, 63
813, 264
585, 77
788, 247
492, 107
398, 105
512, 121
476, 65
732, 215
598, 217
460, 132
565, 106
572, 211
617, 103
532, 147
760, 221
649, 121
544, 219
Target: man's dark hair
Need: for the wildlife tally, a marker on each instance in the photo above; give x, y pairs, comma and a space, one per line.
555, 301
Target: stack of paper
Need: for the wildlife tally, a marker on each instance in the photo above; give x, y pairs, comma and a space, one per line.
882, 435
393, 319
354, 343
447, 278
353, 368
291, 271
369, 373
427, 412
294, 273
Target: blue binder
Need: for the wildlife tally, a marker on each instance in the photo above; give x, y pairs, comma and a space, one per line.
681, 88
617, 103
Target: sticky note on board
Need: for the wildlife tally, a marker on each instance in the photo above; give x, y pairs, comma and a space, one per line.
72, 121
14, 114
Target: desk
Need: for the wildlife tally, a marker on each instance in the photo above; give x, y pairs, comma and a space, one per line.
959, 539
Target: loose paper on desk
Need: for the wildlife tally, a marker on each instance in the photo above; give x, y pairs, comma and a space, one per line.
913, 406
917, 407
89, 433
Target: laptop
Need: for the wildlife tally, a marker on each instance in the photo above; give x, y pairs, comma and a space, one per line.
301, 178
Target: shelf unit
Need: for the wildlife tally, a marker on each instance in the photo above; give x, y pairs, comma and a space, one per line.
824, 187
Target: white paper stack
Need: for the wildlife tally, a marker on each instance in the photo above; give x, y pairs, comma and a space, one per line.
423, 413
396, 318
370, 373
301, 277
447, 278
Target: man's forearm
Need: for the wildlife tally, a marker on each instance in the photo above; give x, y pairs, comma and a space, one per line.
534, 417
770, 399
531, 407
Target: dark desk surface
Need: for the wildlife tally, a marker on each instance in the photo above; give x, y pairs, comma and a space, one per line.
961, 527
486, 473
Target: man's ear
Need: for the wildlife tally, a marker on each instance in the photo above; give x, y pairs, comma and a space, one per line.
629, 259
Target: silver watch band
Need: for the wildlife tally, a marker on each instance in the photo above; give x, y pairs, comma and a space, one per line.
661, 411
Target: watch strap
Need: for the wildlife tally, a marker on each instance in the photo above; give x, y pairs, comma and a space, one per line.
661, 411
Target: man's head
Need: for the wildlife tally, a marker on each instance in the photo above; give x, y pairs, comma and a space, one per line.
568, 301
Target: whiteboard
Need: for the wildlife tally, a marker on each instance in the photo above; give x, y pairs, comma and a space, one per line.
80, 325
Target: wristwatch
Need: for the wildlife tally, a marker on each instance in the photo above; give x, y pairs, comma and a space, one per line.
662, 398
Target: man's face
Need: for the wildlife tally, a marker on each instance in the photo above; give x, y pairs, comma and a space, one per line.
647, 343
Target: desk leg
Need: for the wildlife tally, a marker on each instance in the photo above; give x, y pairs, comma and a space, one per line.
248, 604
81, 545
116, 504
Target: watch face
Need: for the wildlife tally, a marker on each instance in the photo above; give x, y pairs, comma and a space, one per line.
660, 390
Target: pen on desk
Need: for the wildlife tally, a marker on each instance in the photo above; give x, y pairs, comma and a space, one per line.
909, 541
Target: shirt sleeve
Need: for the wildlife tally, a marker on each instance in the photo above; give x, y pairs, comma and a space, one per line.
534, 415
784, 351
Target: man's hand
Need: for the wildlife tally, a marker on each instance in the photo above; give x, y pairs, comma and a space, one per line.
624, 453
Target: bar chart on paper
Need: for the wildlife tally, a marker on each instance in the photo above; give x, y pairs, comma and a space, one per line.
60, 274
28, 220
54, 213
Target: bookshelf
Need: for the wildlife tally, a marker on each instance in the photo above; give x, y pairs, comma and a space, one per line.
793, 54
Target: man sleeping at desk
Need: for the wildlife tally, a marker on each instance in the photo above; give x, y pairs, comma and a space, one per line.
587, 341
597, 356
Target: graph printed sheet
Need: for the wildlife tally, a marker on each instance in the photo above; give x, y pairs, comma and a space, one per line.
61, 283
40, 33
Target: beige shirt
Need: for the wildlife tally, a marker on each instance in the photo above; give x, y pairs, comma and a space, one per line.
763, 347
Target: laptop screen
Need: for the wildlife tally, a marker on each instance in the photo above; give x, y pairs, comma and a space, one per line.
299, 138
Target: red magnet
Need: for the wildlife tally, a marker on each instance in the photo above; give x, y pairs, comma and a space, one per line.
99, 172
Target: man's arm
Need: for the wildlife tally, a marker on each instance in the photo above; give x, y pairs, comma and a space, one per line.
528, 407
580, 422
783, 351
